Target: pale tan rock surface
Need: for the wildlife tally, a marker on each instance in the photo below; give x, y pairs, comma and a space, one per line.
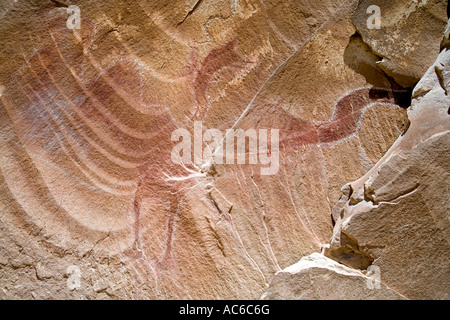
403, 43
91, 204
317, 277
396, 216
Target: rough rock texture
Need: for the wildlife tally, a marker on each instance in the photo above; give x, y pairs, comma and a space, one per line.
93, 207
318, 277
397, 216
405, 45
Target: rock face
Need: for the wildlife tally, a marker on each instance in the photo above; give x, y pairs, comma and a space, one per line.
93, 205
396, 216
317, 277
403, 42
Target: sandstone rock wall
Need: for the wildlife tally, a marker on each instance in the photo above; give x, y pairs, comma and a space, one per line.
394, 219
92, 205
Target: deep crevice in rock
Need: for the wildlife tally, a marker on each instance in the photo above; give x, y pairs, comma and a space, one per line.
448, 9
350, 253
362, 59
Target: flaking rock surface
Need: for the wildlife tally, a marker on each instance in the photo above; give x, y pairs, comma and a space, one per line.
93, 207
392, 224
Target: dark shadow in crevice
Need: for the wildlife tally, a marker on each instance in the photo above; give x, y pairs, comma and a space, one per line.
59, 4
350, 253
402, 96
448, 9
359, 57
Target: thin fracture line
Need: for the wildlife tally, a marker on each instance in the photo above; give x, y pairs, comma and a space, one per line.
250, 105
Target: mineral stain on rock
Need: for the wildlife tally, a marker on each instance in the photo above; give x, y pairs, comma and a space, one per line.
86, 119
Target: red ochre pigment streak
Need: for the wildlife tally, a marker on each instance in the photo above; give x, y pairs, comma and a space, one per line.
350, 109
217, 60
106, 133
345, 122
152, 181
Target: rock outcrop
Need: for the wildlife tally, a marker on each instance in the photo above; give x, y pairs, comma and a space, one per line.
394, 218
316, 277
93, 206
